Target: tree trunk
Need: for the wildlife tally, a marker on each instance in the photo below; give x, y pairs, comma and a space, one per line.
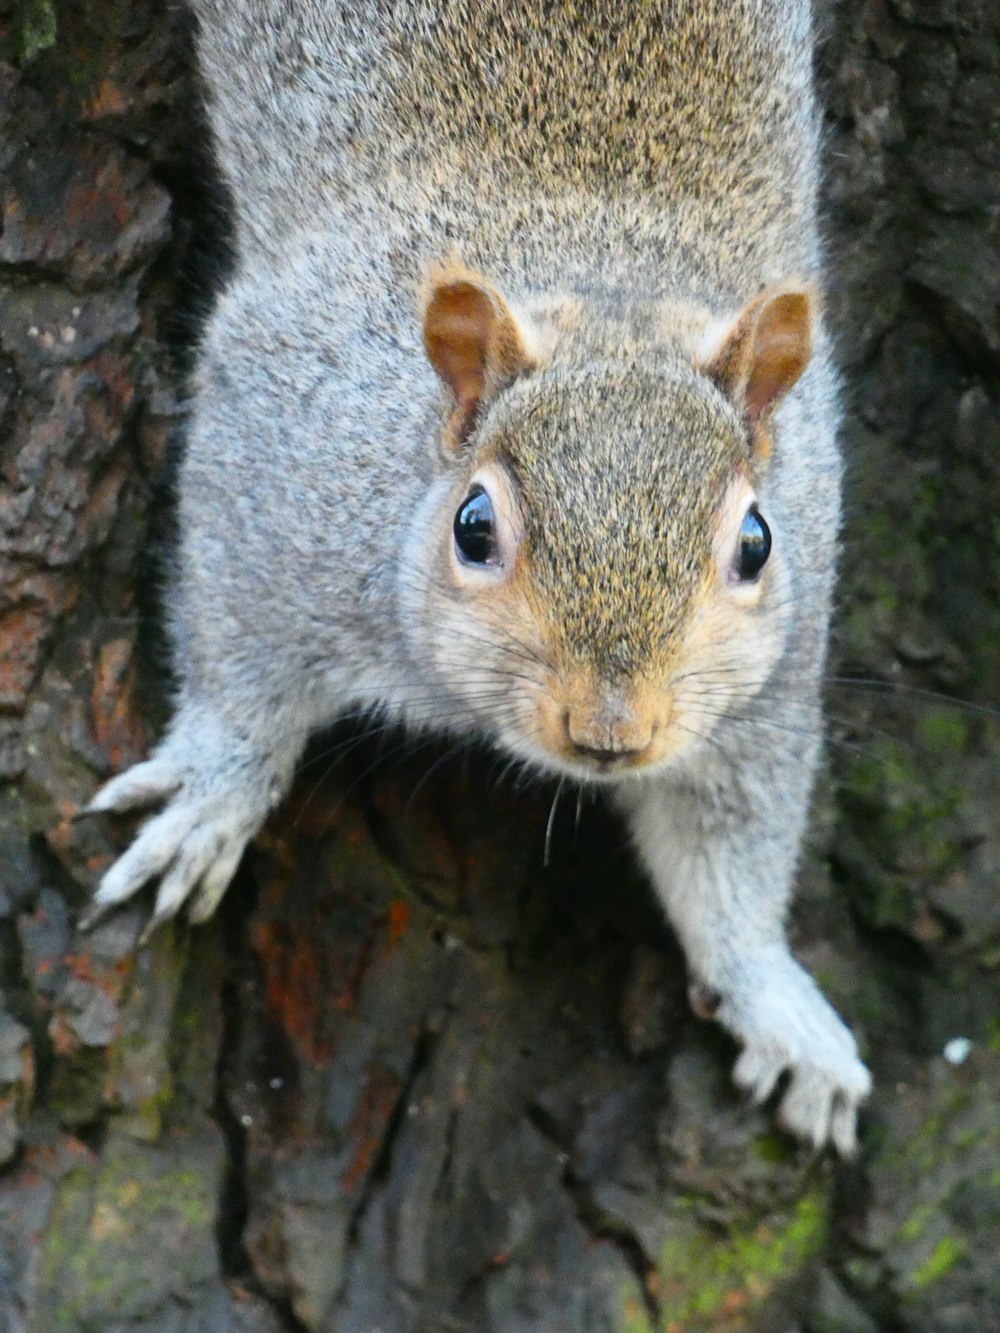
432, 1067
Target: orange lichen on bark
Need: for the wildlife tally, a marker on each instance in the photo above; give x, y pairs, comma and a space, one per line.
119, 383
107, 100
369, 1123
399, 920
346, 998
296, 984
111, 979
23, 634
117, 726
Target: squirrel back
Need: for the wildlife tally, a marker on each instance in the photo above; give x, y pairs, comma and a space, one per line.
670, 144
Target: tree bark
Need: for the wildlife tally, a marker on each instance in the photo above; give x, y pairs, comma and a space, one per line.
432, 1067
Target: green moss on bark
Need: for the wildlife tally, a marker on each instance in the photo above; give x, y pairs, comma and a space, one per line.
714, 1282
37, 27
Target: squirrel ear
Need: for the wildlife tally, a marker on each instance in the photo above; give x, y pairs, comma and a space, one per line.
762, 353
472, 341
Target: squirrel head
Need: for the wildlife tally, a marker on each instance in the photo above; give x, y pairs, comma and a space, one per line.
598, 584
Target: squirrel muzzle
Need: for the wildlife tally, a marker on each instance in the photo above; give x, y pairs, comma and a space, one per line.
610, 732
602, 727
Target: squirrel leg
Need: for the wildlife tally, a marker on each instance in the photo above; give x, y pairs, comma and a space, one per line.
724, 881
217, 783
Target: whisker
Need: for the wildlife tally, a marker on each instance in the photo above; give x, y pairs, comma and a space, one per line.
709, 738
772, 724
551, 823
438, 763
872, 683
913, 692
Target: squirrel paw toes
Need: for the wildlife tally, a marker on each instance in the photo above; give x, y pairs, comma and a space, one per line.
826, 1087
193, 848
144, 784
787, 1027
821, 1105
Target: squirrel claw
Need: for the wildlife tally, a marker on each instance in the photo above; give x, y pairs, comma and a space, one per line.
93, 914
143, 785
843, 1125
215, 882
151, 927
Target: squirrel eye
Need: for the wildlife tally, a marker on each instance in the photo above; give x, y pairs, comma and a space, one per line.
475, 537
754, 547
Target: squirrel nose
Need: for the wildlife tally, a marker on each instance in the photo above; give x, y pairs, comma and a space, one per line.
608, 735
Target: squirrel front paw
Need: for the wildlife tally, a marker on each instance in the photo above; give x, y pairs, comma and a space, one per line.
193, 846
785, 1025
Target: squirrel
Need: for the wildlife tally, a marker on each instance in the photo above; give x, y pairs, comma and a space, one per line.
517, 419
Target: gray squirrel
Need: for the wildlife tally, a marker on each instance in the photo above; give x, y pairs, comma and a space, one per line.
516, 419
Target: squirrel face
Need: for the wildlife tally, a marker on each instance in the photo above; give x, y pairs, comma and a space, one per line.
603, 586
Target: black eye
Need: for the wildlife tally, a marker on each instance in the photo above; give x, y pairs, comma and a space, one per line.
754, 547
474, 529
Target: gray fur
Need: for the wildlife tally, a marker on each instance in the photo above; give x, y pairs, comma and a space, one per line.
625, 176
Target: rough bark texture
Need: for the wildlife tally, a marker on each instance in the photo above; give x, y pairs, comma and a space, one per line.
419, 1075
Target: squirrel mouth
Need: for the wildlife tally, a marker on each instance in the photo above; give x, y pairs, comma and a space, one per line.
606, 761
600, 762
